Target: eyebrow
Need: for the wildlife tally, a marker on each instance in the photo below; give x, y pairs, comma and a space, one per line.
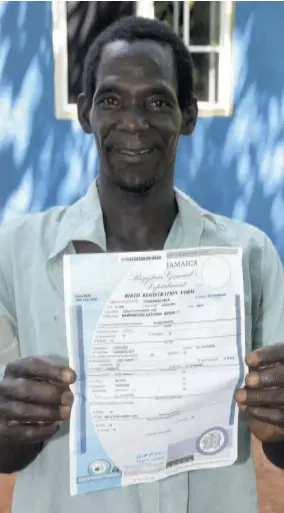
113, 86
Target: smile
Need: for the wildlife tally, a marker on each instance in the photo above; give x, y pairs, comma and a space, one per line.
135, 153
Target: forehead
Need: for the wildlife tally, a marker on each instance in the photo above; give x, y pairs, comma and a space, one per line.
140, 61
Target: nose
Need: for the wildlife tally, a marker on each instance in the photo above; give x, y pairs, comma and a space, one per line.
132, 121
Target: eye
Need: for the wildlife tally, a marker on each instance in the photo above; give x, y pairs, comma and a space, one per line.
108, 101
157, 104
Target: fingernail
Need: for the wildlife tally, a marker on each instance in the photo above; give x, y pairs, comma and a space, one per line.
65, 412
252, 379
253, 359
241, 395
67, 398
68, 376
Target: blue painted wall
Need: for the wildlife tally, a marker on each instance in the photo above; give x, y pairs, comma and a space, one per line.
234, 166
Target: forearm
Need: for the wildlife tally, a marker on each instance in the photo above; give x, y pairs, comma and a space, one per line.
16, 458
274, 451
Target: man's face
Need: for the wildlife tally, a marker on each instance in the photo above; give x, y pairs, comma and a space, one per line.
135, 115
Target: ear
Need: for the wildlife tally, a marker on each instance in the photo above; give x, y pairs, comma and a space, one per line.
83, 111
189, 117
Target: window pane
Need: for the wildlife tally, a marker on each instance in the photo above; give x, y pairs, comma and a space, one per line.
204, 20
85, 21
206, 76
205, 28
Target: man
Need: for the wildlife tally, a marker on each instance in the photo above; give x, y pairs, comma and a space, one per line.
137, 100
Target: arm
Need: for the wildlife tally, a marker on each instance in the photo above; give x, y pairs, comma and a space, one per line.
13, 458
274, 451
16, 458
269, 327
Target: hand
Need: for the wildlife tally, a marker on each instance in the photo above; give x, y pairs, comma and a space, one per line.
34, 399
262, 400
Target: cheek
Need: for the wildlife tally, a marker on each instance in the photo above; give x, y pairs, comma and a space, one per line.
172, 148
169, 127
99, 137
97, 125
96, 133
174, 143
101, 131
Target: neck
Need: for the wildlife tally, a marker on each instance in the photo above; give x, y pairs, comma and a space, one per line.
134, 221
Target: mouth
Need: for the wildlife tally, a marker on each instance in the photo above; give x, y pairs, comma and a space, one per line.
134, 152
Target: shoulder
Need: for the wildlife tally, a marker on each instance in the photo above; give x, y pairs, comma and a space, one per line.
221, 230
25, 243
28, 232
235, 232
258, 249
259, 253
262, 266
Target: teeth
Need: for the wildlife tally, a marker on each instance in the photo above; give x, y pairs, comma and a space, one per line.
128, 152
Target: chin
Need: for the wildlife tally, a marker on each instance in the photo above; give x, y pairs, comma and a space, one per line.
135, 186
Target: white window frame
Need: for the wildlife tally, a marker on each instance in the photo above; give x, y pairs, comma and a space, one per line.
223, 106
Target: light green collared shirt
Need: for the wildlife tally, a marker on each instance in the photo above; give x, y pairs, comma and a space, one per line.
32, 323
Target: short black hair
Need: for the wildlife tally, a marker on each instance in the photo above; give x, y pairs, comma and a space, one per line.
135, 28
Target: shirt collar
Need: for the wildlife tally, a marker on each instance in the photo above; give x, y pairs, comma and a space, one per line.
84, 221
189, 225
81, 221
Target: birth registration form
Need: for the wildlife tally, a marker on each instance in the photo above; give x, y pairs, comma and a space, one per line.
157, 341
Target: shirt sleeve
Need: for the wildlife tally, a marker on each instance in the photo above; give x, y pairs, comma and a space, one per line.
9, 346
269, 327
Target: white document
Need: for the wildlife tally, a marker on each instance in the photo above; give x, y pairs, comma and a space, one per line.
157, 341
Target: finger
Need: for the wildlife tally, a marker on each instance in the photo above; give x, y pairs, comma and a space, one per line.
32, 433
38, 392
273, 416
262, 397
25, 412
42, 369
265, 432
266, 356
264, 378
